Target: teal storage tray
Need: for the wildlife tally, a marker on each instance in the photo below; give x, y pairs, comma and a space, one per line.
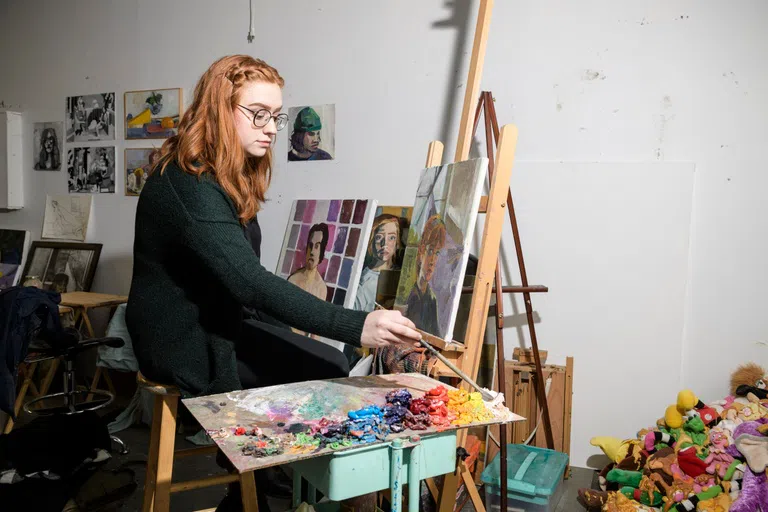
352, 473
533, 474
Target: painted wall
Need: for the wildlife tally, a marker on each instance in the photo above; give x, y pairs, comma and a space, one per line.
594, 86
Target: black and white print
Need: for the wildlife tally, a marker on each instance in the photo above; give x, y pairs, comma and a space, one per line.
47, 146
91, 170
91, 117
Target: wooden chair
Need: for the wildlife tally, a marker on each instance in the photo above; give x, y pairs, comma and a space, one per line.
158, 486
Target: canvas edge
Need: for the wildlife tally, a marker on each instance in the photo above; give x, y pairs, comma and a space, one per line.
468, 242
286, 236
370, 215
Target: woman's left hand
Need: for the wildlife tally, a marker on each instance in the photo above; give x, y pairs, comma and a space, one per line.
384, 327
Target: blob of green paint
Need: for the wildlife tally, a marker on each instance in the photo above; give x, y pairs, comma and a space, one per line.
313, 408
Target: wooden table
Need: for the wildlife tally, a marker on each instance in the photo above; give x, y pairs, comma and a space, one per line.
81, 303
345, 472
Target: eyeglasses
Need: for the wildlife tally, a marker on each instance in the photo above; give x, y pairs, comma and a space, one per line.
262, 116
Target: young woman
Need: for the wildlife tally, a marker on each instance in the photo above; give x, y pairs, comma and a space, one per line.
196, 254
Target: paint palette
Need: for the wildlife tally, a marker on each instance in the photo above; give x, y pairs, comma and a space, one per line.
280, 412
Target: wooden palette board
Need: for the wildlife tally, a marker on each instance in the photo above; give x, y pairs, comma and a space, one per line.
297, 406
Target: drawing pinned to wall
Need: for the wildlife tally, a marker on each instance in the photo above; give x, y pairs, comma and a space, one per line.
63, 266
324, 247
14, 246
91, 170
442, 224
138, 163
91, 117
313, 133
47, 146
152, 114
66, 217
385, 248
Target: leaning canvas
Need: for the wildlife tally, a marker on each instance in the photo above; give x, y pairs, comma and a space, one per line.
384, 251
14, 247
324, 248
435, 260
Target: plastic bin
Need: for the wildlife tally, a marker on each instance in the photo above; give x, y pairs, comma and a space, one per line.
534, 479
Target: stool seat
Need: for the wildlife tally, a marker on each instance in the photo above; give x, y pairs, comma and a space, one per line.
156, 387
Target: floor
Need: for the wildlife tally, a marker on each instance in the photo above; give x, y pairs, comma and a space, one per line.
137, 438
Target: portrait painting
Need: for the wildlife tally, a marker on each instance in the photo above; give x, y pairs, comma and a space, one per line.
91, 117
385, 248
152, 114
324, 247
311, 133
46, 144
435, 260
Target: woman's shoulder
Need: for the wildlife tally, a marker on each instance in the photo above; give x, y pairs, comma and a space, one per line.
200, 195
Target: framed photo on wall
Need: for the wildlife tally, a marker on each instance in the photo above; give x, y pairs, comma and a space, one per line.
62, 266
152, 113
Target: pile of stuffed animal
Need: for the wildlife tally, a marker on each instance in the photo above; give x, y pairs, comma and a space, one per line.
709, 458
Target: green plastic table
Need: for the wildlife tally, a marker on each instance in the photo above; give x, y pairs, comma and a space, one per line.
348, 474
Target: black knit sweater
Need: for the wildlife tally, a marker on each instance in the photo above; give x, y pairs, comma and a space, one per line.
193, 271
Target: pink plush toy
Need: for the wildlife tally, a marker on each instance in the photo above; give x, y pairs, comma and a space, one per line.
718, 458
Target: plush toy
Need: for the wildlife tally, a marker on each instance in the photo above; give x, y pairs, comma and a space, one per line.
690, 463
688, 404
718, 459
613, 447
693, 502
749, 378
751, 443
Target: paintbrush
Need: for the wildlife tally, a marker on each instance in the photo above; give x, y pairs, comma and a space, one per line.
484, 393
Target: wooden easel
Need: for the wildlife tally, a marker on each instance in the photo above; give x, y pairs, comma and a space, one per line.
467, 357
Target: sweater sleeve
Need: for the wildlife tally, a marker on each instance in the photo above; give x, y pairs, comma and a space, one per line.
223, 248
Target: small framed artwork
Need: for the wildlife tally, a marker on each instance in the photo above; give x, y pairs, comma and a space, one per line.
152, 114
91, 169
138, 163
91, 117
47, 146
61, 266
312, 132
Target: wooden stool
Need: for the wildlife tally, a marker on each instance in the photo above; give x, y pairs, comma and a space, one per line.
158, 486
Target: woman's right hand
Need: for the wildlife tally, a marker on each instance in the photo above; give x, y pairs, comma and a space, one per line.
384, 327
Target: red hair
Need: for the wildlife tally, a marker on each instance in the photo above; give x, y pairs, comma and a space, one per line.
208, 141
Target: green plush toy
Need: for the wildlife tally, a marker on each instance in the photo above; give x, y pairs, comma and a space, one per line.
624, 477
693, 502
642, 496
692, 433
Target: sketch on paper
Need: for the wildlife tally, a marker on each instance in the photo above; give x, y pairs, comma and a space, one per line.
14, 246
312, 133
152, 114
91, 117
91, 170
63, 266
442, 225
47, 146
385, 247
66, 217
323, 248
138, 163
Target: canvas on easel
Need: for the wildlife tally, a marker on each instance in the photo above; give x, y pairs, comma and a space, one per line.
444, 215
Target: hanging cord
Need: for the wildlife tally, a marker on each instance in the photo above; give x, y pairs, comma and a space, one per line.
538, 420
250, 27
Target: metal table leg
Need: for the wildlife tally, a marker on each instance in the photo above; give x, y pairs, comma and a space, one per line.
396, 468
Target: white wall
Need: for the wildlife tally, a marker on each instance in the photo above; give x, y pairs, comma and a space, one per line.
591, 81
